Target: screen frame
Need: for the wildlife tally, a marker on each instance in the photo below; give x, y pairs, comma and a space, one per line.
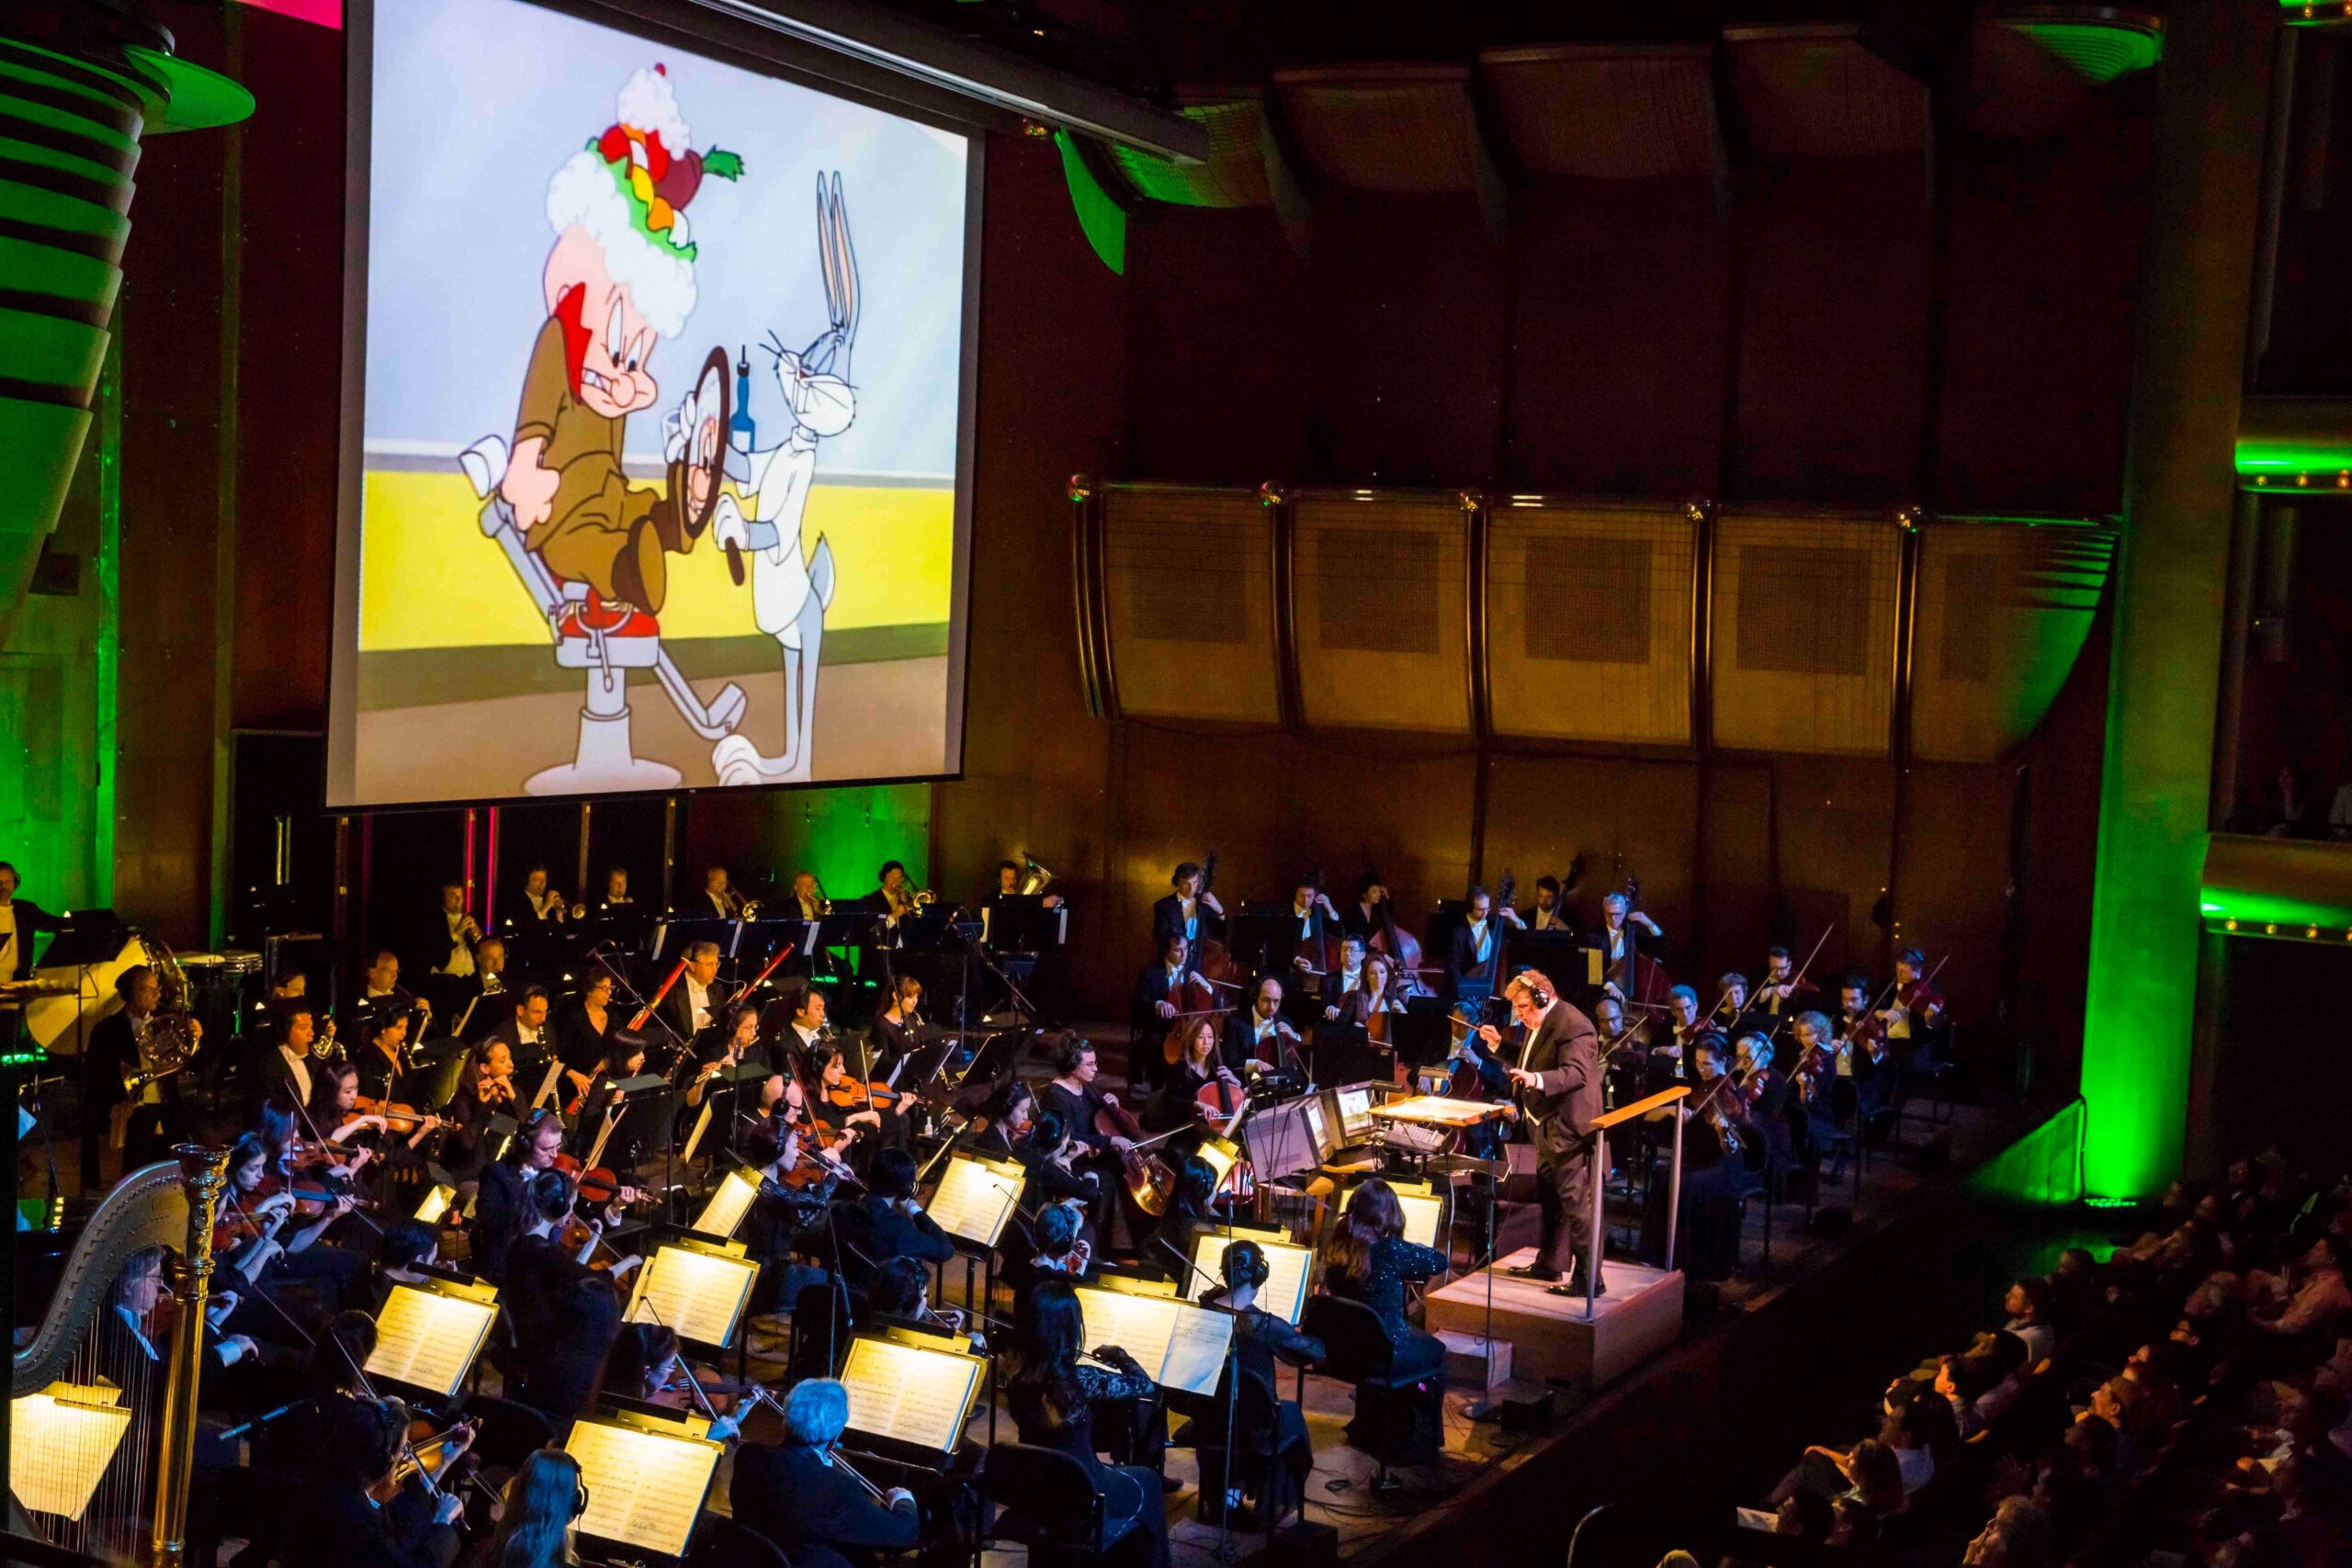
788, 62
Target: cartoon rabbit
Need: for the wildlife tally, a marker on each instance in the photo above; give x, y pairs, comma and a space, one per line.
789, 597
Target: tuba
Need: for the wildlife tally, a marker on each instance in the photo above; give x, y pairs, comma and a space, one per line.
167, 1042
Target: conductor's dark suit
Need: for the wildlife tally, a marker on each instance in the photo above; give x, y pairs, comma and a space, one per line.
1562, 1050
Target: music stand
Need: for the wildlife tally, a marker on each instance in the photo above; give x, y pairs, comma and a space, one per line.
431, 1083
675, 939
1564, 957
1342, 1053
1016, 922
91, 940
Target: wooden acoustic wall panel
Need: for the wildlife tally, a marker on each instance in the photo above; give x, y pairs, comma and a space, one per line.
2003, 611
1189, 575
1803, 633
1814, 91
1381, 596
1608, 111
1405, 129
1588, 622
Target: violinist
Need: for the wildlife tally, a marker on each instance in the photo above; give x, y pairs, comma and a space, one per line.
897, 1028
1717, 1171
887, 1223
408, 1249
1914, 1018
1259, 1033
1163, 991
1686, 1025
1177, 1104
1546, 915
1189, 1212
1765, 1090
1730, 1005
542, 1265
1475, 951
850, 1105
1188, 911
798, 1494
1054, 1396
1862, 1053
263, 1242
383, 1054
340, 1519
644, 1365
498, 1205
335, 1112
536, 1514
796, 1184
1812, 1074
1783, 992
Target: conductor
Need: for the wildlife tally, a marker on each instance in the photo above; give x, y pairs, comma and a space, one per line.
1558, 1074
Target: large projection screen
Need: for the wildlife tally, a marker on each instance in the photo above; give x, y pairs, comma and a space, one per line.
621, 321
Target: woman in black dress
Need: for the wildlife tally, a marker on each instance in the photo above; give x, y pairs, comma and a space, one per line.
1053, 1396
1369, 1261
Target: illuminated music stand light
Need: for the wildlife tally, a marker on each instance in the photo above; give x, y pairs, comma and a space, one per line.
61, 1441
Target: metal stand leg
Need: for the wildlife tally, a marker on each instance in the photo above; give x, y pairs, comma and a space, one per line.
1593, 1248
1674, 1192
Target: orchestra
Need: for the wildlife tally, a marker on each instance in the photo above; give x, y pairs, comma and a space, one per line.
579, 1095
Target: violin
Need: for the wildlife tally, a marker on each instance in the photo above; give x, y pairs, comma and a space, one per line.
1151, 1181
426, 1455
853, 1094
595, 1184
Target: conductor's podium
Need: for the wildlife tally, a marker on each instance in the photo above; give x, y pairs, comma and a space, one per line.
1587, 1342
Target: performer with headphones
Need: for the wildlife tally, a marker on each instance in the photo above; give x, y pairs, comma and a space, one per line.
1260, 1338
1559, 1083
541, 1503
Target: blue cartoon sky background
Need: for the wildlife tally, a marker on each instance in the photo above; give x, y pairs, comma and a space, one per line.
477, 102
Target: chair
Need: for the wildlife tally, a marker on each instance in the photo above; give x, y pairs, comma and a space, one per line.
721, 1542
1257, 1462
1047, 1501
603, 638
819, 1323
1398, 1418
511, 1432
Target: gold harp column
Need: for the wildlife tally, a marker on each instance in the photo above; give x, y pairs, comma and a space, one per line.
205, 1172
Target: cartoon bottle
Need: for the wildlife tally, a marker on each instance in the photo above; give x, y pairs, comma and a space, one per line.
740, 429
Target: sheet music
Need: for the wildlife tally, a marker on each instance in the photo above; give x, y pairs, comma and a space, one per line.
427, 1339
694, 1139
973, 1201
547, 1085
729, 1202
694, 1293
1439, 1111
913, 1396
1179, 1344
645, 1489
1289, 1267
1423, 1213
434, 1205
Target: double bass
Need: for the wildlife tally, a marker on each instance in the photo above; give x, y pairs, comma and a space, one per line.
1640, 979
1402, 947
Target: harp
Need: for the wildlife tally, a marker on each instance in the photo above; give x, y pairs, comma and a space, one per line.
104, 1396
